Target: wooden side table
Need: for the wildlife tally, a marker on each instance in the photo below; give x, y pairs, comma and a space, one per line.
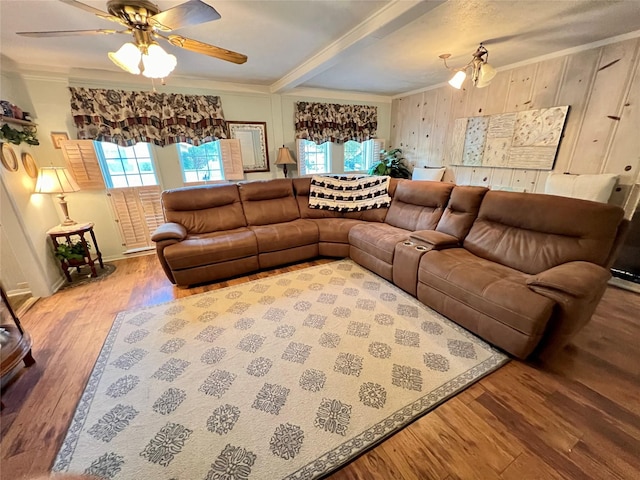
78, 230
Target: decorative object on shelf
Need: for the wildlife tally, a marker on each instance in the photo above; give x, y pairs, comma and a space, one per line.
253, 143
8, 158
71, 251
145, 21
481, 72
391, 164
15, 136
284, 159
57, 137
57, 180
29, 165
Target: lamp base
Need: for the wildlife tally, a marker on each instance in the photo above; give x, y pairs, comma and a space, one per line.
67, 222
65, 211
284, 169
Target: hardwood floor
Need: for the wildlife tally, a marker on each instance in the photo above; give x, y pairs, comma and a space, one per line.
576, 417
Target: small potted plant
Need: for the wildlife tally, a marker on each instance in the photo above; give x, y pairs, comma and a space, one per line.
73, 253
391, 163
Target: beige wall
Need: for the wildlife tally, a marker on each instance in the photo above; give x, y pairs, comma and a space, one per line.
600, 85
46, 97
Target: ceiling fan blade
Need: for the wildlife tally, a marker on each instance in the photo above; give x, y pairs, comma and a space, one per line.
206, 49
90, 9
186, 14
69, 33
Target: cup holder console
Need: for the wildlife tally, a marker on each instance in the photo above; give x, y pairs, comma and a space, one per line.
407, 243
421, 248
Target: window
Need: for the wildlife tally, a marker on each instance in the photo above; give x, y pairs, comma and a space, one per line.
359, 157
202, 163
313, 159
126, 166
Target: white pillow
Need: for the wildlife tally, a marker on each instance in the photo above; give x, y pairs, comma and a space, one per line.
424, 173
597, 188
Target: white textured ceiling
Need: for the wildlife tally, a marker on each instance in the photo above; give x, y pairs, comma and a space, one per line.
378, 47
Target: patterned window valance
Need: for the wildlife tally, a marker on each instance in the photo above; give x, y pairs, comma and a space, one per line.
126, 118
331, 122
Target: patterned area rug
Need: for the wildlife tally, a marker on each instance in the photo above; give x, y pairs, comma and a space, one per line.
285, 377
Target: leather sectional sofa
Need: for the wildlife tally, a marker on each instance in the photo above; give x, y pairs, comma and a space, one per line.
523, 271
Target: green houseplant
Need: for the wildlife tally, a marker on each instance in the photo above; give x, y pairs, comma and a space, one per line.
391, 163
71, 253
11, 135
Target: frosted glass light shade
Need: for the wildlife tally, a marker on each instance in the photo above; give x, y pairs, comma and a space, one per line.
458, 79
487, 72
157, 63
127, 58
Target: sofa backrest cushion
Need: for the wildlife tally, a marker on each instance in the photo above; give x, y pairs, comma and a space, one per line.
534, 232
418, 205
268, 201
301, 187
461, 210
204, 209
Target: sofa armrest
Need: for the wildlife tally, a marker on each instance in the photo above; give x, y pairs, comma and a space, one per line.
434, 239
169, 231
578, 279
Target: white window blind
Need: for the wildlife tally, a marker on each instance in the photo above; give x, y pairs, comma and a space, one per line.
138, 213
231, 159
82, 162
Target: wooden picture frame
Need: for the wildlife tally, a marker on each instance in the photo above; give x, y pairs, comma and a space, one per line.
8, 157
29, 165
57, 137
253, 143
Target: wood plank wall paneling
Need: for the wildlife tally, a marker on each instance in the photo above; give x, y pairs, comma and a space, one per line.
602, 87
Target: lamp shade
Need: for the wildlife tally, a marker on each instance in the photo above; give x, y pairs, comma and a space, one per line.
486, 74
157, 63
457, 80
55, 180
127, 58
284, 157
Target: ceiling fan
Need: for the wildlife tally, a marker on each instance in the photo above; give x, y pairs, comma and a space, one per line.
145, 21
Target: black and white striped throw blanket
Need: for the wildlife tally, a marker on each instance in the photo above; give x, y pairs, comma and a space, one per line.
349, 193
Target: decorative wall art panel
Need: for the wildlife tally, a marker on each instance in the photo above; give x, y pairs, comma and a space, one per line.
527, 140
474, 141
457, 140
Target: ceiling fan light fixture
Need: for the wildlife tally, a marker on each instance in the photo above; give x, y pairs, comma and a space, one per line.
458, 79
157, 63
481, 72
127, 58
485, 75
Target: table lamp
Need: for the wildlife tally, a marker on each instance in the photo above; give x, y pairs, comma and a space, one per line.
284, 159
57, 180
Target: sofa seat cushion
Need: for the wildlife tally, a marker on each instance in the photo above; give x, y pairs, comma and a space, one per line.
378, 239
336, 230
495, 290
280, 236
208, 248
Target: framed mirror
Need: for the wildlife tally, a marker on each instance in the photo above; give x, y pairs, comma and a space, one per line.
253, 143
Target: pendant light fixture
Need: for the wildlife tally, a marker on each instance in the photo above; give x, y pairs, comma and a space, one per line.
481, 72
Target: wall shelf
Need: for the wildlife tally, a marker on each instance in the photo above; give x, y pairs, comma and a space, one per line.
24, 123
